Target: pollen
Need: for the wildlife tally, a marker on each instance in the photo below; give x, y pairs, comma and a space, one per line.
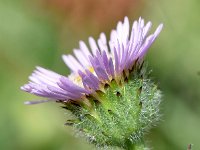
91, 69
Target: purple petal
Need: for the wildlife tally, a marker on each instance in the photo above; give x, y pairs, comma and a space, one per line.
102, 42
146, 29
87, 81
58, 91
105, 59
81, 58
93, 45
116, 61
106, 63
98, 59
145, 46
101, 73
37, 102
72, 63
70, 86
50, 94
92, 77
158, 30
99, 68
124, 59
111, 66
85, 49
48, 72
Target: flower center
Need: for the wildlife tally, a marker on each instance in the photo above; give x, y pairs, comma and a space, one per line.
76, 78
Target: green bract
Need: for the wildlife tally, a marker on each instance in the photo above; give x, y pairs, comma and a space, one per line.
121, 114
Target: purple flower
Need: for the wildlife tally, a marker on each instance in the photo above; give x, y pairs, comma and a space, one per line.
96, 65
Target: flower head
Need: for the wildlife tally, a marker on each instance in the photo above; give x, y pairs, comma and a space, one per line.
108, 92
94, 66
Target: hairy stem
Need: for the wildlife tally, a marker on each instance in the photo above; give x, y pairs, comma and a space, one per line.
135, 146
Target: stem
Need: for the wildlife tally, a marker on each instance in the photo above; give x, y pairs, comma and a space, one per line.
135, 146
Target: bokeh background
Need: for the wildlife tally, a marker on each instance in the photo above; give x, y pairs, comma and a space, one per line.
38, 32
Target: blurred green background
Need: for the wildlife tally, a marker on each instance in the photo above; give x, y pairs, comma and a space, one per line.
39, 32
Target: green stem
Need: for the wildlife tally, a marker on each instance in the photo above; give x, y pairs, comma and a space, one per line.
135, 146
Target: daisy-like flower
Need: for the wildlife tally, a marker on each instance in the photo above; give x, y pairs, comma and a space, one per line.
94, 66
113, 103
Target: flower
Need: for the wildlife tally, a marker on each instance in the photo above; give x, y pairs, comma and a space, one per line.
108, 91
93, 67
